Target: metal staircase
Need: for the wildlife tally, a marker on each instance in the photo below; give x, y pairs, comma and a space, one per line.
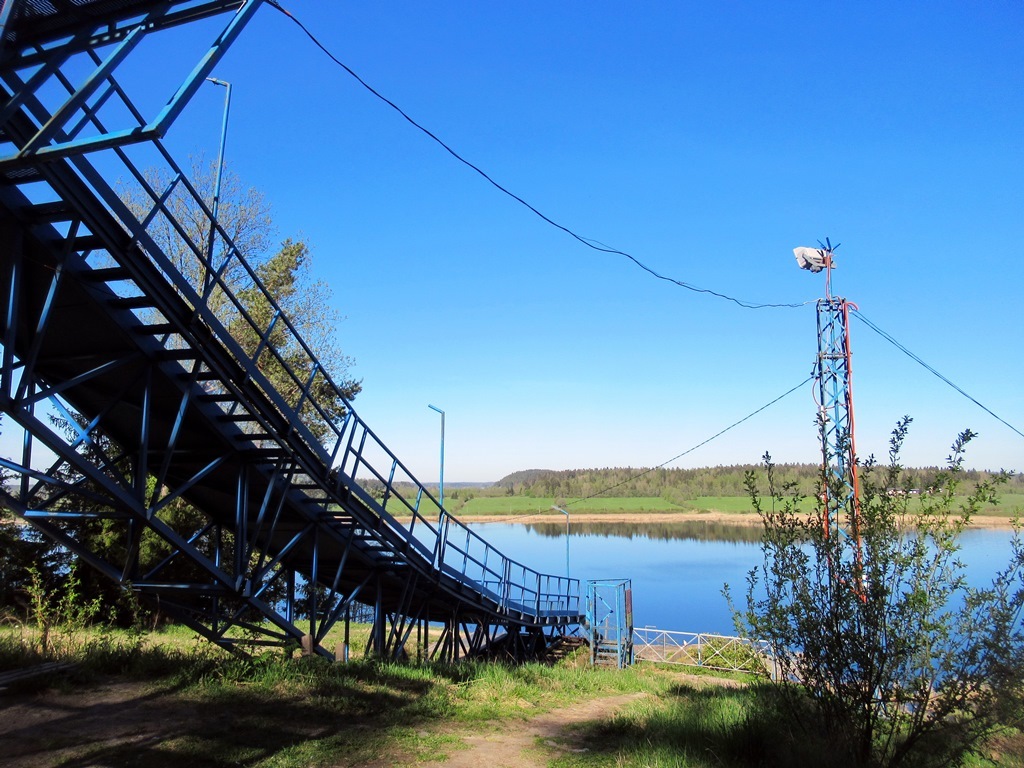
139, 377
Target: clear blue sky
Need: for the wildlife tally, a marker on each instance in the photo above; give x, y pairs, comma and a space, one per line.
708, 140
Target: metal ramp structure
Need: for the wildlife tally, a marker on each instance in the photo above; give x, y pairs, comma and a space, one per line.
145, 365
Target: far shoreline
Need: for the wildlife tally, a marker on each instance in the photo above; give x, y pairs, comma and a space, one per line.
742, 519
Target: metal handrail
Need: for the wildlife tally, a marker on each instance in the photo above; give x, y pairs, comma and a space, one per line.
525, 590
319, 416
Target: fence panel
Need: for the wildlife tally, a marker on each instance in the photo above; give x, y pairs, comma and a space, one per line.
698, 649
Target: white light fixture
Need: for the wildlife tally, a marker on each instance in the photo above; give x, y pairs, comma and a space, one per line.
814, 259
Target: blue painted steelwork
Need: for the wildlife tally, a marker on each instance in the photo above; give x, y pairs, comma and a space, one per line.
220, 160
39, 44
610, 621
834, 395
835, 404
136, 366
440, 487
566, 513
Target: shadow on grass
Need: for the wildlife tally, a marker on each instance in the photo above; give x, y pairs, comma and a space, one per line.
704, 726
741, 727
314, 713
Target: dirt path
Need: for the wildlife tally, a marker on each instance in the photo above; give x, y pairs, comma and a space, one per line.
119, 722
53, 728
50, 727
512, 744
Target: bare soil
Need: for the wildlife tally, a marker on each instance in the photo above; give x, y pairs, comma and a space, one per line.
527, 744
51, 727
534, 742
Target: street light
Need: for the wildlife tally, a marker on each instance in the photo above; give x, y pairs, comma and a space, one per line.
220, 163
441, 487
559, 509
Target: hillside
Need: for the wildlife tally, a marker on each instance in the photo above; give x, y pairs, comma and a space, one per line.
677, 485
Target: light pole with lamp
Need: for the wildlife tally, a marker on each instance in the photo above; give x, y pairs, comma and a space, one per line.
220, 164
441, 486
564, 512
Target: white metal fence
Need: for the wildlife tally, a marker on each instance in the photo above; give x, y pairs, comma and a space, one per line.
697, 649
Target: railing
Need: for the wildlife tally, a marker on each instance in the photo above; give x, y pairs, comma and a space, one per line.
698, 649
309, 412
516, 588
451, 546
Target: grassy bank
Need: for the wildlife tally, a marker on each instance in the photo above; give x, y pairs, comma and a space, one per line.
515, 506
167, 699
522, 505
525, 505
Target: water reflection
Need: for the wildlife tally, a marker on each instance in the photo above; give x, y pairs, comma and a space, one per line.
678, 569
689, 530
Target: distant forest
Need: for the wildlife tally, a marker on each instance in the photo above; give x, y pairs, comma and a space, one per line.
680, 485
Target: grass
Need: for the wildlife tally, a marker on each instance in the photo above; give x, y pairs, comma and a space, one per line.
199, 706
514, 506
688, 726
216, 709
700, 726
1010, 505
736, 504
519, 505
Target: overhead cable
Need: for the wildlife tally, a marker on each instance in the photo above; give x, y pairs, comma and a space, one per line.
589, 242
931, 370
694, 448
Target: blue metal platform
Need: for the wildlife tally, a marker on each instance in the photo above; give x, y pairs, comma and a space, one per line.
138, 377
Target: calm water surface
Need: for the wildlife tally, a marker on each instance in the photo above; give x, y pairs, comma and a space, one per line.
678, 569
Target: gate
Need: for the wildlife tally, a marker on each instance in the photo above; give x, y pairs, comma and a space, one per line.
610, 622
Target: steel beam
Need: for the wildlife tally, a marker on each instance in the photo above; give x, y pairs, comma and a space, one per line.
159, 403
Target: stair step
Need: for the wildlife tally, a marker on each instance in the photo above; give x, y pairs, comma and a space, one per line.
48, 213
155, 329
107, 275
236, 417
132, 302
178, 354
20, 175
88, 243
221, 397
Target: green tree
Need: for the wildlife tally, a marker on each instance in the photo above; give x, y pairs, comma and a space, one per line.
278, 353
883, 648
180, 229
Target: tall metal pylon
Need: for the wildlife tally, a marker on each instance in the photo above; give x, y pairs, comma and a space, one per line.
834, 397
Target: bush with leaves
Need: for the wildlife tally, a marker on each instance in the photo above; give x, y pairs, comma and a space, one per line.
884, 648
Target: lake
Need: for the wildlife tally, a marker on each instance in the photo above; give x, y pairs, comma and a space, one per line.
678, 569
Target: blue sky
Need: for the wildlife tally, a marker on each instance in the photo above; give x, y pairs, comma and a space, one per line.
706, 139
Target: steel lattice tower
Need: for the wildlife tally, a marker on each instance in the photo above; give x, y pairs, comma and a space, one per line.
834, 396
835, 413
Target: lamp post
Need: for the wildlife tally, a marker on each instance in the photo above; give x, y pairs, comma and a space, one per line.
564, 512
441, 486
220, 164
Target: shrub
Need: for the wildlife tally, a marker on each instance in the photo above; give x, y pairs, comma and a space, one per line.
883, 646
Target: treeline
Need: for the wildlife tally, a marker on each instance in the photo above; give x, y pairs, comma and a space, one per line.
680, 485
